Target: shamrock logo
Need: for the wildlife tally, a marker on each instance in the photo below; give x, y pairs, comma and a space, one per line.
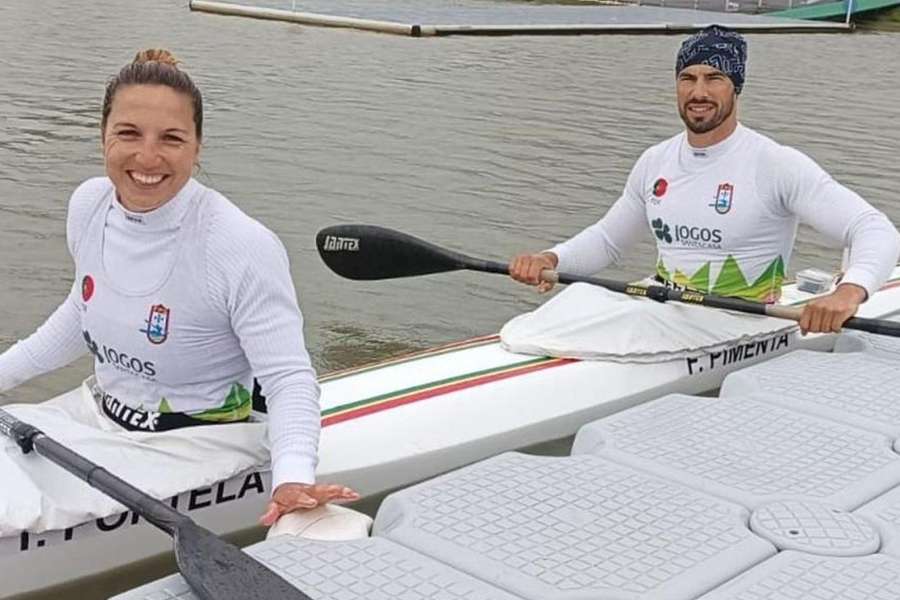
661, 230
92, 346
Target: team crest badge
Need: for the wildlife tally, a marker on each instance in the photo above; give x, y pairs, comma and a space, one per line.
724, 198
158, 324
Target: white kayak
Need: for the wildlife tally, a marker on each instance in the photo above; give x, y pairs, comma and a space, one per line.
399, 421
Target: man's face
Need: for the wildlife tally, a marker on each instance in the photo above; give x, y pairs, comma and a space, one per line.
706, 98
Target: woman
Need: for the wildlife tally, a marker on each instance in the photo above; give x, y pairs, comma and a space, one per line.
186, 303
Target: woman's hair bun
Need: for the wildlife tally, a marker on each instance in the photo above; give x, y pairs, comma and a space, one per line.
153, 66
158, 55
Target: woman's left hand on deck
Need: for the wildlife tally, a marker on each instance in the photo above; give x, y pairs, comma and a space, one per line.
289, 497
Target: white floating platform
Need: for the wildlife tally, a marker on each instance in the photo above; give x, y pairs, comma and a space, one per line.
748, 451
815, 528
749, 497
797, 576
879, 345
575, 527
535, 527
884, 514
367, 569
481, 18
821, 384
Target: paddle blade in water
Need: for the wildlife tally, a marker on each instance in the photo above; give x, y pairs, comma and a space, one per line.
217, 570
371, 252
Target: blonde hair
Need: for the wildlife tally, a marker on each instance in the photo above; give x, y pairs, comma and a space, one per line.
159, 55
154, 66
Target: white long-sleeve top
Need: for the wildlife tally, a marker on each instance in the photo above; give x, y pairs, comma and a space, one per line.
182, 307
725, 218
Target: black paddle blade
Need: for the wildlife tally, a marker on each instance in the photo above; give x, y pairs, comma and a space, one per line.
371, 252
217, 570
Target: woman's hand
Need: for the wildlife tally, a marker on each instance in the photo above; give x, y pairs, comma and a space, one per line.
289, 497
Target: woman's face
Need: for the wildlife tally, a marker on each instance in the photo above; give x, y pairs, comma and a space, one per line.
150, 145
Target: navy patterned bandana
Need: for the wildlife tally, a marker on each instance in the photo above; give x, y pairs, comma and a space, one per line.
718, 47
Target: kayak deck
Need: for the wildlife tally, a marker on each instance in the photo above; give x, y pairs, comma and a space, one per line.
788, 484
474, 399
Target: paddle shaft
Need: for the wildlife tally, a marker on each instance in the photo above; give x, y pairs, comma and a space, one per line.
662, 293
28, 437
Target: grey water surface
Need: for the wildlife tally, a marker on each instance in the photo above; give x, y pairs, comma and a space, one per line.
490, 146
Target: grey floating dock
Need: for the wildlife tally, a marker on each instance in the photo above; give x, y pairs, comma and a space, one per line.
785, 494
815, 528
884, 513
368, 569
747, 450
816, 383
884, 346
492, 19
576, 527
798, 576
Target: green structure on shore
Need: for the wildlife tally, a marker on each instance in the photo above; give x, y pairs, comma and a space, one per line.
827, 11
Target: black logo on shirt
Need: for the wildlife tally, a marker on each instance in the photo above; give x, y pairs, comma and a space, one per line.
120, 360
687, 235
132, 419
662, 231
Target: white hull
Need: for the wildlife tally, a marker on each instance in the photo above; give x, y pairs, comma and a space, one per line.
401, 421
32, 562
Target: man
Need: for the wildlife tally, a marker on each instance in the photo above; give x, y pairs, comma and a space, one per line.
724, 201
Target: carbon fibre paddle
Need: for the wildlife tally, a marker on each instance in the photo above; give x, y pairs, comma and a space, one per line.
370, 252
214, 568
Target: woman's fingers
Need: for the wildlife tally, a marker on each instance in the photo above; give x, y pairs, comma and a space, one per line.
299, 496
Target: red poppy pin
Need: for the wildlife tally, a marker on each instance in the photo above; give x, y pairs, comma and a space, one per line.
87, 288
659, 187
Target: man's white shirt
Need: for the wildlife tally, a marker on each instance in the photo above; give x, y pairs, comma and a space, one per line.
725, 218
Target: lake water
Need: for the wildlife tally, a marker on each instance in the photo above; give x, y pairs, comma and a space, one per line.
490, 146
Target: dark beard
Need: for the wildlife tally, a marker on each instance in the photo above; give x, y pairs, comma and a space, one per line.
706, 126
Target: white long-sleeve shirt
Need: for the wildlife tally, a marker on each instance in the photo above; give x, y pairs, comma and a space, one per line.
725, 218
182, 307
